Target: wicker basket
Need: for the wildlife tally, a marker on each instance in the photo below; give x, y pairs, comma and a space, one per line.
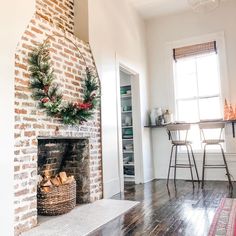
58, 201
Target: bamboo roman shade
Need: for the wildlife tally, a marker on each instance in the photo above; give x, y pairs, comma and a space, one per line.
194, 50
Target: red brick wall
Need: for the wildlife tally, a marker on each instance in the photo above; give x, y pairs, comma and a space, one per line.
59, 12
31, 122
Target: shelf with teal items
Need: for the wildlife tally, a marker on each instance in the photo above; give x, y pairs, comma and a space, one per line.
125, 112
128, 152
129, 164
124, 90
129, 177
129, 171
126, 96
128, 131
127, 127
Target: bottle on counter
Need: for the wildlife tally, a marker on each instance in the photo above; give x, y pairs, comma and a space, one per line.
168, 117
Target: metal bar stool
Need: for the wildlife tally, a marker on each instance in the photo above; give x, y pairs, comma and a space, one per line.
216, 140
176, 132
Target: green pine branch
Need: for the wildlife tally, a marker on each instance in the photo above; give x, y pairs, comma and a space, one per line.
50, 98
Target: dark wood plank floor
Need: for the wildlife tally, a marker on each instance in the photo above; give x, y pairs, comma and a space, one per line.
185, 212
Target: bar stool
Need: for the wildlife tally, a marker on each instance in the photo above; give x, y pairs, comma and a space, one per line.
213, 140
176, 132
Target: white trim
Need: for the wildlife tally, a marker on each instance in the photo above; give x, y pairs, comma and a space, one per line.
137, 125
109, 186
219, 37
220, 41
119, 130
137, 129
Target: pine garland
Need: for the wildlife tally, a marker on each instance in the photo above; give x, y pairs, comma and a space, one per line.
50, 98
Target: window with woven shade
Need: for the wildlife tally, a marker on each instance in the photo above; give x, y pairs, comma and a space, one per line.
197, 85
194, 50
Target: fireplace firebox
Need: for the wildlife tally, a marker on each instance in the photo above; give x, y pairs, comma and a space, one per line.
69, 155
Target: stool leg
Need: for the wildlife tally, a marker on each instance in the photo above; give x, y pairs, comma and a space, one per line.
190, 165
168, 176
226, 167
194, 163
176, 151
203, 165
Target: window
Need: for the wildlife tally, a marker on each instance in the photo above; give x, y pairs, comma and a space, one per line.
197, 86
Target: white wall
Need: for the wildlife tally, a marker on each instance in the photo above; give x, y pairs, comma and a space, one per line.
12, 23
164, 30
116, 31
81, 20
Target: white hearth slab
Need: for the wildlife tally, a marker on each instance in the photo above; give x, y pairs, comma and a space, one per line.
83, 220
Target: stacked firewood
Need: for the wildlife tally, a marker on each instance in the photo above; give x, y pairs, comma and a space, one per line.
47, 182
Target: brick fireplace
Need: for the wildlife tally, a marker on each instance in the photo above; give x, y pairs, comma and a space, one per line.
70, 155
33, 128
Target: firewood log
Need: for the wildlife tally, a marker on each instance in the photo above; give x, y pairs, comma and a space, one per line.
55, 181
70, 180
45, 189
59, 180
63, 177
46, 183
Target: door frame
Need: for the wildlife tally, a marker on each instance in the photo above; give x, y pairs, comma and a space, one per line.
137, 124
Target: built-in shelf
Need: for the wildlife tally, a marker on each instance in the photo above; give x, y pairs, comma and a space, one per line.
126, 127
124, 96
125, 112
128, 152
129, 179
129, 176
129, 164
127, 130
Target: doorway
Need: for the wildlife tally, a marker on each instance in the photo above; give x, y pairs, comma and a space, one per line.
129, 125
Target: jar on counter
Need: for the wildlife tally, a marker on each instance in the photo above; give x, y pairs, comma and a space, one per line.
168, 117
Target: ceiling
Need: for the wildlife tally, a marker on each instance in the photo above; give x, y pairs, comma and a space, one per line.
152, 8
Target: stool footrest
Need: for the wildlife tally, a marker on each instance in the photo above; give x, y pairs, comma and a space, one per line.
182, 166
215, 166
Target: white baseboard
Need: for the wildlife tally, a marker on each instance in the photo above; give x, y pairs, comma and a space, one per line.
111, 188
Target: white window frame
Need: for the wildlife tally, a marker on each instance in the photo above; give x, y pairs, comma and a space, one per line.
219, 37
198, 97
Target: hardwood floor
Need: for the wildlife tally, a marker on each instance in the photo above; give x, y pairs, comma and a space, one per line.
185, 212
